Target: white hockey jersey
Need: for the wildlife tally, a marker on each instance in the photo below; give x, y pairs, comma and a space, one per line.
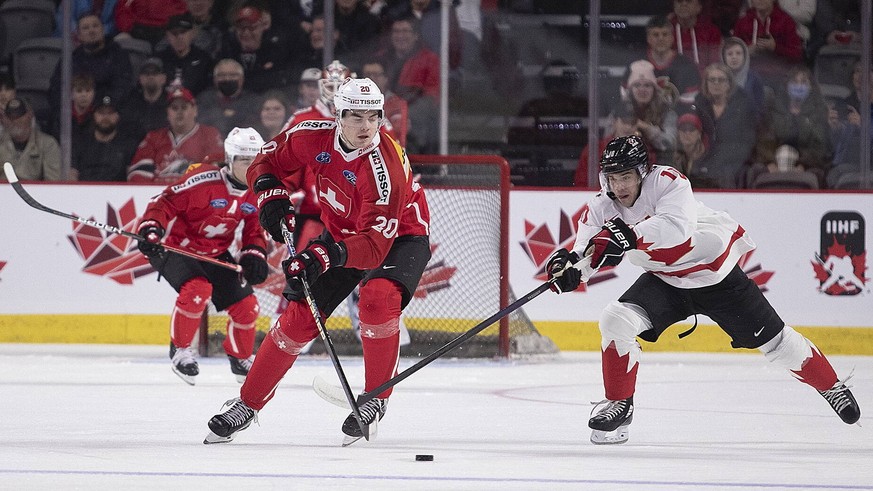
679, 239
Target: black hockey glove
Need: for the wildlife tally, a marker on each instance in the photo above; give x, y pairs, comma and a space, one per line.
152, 232
253, 260
319, 256
560, 267
274, 205
607, 248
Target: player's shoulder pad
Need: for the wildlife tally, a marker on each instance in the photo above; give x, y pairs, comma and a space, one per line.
197, 174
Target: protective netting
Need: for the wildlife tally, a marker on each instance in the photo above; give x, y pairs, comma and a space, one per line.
462, 283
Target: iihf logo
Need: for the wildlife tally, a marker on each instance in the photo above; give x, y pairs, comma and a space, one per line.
323, 158
840, 264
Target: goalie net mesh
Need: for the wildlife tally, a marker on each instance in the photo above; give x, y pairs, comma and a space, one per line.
466, 280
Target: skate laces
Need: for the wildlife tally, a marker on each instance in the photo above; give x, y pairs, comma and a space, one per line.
836, 395
372, 409
238, 413
184, 356
611, 409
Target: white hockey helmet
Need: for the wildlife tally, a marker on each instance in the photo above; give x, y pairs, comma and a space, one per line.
242, 142
358, 94
331, 78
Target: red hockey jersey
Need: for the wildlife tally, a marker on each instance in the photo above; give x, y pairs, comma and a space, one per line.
203, 209
162, 157
367, 196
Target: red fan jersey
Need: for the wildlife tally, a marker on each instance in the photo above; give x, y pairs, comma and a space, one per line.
205, 207
367, 196
163, 157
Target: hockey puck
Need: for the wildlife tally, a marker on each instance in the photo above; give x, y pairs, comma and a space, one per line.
424, 458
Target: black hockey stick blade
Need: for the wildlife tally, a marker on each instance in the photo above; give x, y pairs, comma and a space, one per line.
325, 337
24, 195
363, 398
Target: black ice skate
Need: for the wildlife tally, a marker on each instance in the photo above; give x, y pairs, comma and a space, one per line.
224, 426
610, 424
184, 363
240, 366
843, 402
369, 412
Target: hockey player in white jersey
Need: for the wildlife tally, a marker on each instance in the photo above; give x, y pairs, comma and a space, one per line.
689, 253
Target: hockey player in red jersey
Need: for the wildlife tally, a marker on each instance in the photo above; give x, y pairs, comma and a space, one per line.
201, 213
689, 252
377, 227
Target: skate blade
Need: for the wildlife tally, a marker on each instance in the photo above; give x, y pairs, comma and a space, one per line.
240, 378
213, 438
374, 430
618, 436
188, 379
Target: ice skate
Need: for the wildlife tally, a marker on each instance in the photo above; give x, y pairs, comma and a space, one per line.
369, 412
184, 363
610, 425
240, 366
224, 426
843, 402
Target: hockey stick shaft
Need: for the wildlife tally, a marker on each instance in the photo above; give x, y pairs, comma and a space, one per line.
325, 337
19, 189
363, 398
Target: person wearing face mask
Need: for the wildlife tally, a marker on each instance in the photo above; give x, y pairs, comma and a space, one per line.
227, 104
799, 117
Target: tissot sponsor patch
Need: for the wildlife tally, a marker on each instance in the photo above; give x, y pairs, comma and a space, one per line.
380, 174
196, 179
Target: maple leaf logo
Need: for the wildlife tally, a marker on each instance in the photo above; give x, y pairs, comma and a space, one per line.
539, 244
839, 272
755, 273
111, 255
436, 276
2, 265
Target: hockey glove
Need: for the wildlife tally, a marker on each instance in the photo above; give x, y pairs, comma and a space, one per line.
560, 268
151, 231
607, 248
253, 260
319, 256
274, 205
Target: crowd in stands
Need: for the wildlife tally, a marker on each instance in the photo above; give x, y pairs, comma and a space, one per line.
726, 90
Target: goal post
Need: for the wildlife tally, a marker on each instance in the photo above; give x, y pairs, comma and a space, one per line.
465, 282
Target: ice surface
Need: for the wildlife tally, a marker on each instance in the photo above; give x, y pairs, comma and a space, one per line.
116, 417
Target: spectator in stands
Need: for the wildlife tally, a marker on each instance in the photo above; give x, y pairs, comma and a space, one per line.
728, 125
724, 13
265, 55
799, 118
312, 53
771, 36
164, 154
656, 119
395, 107
82, 7
695, 36
146, 19
359, 29
209, 28
82, 99
227, 104
802, 12
33, 154
679, 70
854, 98
185, 63
101, 58
307, 89
836, 23
274, 113
413, 74
104, 153
145, 108
427, 12
847, 135
623, 122
735, 54
7, 93
555, 119
692, 147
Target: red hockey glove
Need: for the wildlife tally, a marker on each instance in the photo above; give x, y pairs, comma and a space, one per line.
560, 268
274, 205
607, 248
319, 256
253, 260
151, 231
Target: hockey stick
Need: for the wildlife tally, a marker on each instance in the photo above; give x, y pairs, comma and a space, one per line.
13, 180
328, 344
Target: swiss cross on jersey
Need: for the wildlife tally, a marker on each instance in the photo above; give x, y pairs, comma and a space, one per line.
331, 195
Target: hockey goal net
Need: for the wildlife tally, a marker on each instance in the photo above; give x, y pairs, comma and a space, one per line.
466, 280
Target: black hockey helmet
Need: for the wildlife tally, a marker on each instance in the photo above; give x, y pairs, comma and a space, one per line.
621, 154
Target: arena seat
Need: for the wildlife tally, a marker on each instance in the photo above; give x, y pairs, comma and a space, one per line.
24, 19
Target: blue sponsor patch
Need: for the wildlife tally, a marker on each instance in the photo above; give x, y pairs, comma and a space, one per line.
218, 203
248, 208
350, 176
323, 157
